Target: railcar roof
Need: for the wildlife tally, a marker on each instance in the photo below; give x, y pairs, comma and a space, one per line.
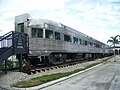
42, 21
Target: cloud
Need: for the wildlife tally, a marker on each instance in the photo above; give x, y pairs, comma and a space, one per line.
92, 17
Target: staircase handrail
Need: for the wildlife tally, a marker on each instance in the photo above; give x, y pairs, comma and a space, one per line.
6, 35
3, 55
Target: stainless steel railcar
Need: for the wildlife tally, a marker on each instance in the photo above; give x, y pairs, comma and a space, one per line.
54, 43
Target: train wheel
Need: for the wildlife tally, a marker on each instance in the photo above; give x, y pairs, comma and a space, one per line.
56, 59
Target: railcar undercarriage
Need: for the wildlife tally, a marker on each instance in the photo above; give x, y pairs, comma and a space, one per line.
60, 58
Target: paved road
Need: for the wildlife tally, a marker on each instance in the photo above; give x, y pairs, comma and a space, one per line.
103, 77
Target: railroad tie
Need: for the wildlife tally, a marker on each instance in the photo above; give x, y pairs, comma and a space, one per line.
47, 69
55, 67
33, 71
38, 70
51, 68
43, 70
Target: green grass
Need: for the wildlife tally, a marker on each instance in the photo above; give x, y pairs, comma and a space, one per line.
40, 80
43, 79
46, 78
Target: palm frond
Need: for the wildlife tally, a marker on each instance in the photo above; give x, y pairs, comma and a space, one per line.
114, 40
116, 36
111, 41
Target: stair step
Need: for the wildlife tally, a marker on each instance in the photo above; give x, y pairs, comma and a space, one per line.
2, 50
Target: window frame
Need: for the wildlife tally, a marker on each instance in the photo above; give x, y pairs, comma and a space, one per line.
75, 40
57, 35
46, 34
67, 38
21, 27
35, 33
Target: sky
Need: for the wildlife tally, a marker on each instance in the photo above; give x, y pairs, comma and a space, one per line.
99, 19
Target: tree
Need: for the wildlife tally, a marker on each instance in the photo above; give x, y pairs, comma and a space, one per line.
114, 40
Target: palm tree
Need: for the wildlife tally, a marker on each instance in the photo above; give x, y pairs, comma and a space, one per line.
114, 41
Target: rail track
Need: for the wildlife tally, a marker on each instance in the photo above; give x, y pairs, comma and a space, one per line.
43, 68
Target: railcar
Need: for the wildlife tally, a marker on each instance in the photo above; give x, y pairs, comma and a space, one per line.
54, 43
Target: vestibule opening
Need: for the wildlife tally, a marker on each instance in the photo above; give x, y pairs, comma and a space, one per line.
117, 51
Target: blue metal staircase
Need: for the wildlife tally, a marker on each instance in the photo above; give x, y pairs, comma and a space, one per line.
5, 53
13, 43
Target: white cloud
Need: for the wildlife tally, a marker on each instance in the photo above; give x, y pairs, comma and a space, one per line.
97, 18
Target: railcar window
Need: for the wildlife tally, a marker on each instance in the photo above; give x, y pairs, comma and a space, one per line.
75, 40
37, 33
57, 35
49, 34
80, 41
86, 43
91, 44
94, 45
67, 38
98, 46
21, 27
